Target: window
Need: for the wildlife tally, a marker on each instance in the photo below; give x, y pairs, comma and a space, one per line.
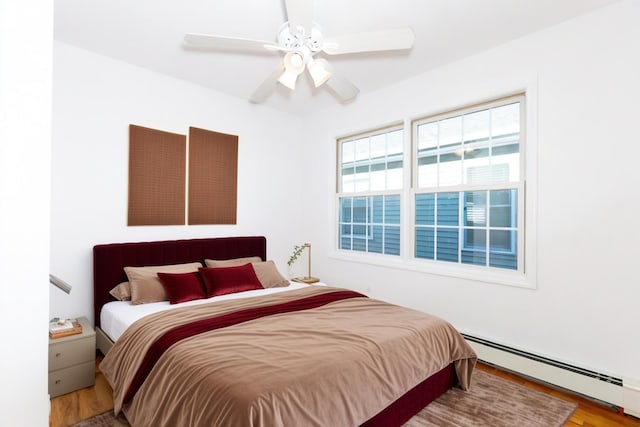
371, 174
468, 187
454, 204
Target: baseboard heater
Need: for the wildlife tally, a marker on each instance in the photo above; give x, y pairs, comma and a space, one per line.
622, 394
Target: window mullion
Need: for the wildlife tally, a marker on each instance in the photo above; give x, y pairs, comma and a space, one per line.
383, 226
460, 224
352, 222
368, 222
487, 257
435, 227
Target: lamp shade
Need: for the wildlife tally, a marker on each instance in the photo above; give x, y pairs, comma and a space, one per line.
288, 79
318, 71
293, 67
59, 283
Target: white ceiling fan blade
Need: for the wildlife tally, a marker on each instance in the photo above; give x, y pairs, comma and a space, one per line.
342, 86
233, 43
401, 38
300, 14
267, 87
345, 90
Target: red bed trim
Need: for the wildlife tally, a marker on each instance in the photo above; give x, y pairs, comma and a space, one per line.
413, 401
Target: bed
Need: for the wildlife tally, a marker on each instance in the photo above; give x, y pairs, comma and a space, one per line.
298, 355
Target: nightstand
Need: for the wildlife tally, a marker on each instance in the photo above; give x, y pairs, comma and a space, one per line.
72, 361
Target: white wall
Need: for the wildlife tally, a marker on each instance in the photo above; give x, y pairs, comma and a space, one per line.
584, 75
95, 99
25, 138
584, 310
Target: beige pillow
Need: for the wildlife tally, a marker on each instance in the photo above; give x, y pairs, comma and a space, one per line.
122, 292
231, 262
145, 284
269, 275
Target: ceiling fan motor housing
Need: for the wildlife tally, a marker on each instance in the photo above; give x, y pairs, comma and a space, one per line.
297, 38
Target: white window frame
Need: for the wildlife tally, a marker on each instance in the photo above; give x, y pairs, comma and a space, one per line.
527, 211
521, 99
366, 194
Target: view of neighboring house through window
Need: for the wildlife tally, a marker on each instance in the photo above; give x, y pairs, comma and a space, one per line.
468, 186
370, 169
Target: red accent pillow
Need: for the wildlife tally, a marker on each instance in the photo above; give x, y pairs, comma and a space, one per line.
182, 287
228, 280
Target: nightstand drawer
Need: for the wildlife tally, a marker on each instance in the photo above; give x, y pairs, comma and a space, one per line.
71, 352
64, 354
69, 379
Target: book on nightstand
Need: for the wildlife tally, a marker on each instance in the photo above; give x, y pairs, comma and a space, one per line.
64, 327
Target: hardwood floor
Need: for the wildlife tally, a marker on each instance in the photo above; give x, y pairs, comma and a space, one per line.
70, 408
588, 413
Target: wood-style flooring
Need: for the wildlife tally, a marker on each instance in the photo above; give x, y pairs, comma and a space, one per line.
68, 409
588, 413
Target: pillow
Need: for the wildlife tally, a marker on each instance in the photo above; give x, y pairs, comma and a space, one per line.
268, 274
122, 292
231, 262
145, 285
182, 287
228, 280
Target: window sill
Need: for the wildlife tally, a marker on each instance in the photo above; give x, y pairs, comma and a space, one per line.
461, 271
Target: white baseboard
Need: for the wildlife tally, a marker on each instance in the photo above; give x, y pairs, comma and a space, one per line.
618, 392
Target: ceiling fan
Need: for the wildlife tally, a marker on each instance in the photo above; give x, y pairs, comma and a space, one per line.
301, 40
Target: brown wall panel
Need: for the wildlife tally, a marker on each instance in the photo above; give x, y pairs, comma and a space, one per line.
213, 177
157, 171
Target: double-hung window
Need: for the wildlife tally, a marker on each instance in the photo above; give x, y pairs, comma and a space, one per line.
370, 182
468, 186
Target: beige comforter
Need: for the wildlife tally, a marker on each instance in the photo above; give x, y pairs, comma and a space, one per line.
335, 365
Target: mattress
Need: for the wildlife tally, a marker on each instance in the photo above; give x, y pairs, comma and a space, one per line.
117, 316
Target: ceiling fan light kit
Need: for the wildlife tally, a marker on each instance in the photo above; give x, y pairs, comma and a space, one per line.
318, 72
293, 67
301, 39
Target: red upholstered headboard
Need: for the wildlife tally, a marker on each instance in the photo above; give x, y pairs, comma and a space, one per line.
109, 260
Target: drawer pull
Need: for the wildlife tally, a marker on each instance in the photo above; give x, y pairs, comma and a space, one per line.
58, 381
58, 354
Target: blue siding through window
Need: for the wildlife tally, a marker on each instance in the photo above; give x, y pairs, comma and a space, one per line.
370, 224
438, 227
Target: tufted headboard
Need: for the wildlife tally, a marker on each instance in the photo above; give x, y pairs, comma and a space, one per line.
110, 259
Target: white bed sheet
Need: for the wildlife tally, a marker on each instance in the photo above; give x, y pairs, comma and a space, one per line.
117, 316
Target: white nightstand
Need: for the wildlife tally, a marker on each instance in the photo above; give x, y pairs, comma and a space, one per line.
72, 361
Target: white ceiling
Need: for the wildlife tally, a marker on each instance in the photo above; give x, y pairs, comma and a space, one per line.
149, 33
